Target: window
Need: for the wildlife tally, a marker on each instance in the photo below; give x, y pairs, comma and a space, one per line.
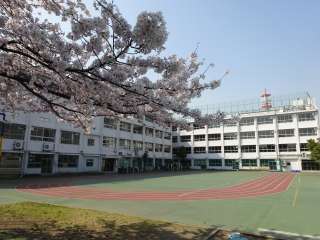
248, 148
287, 147
267, 148
110, 123
109, 142
174, 128
230, 136
137, 145
149, 147
158, 134
284, 118
247, 135
43, 134
148, 118
14, 131
175, 150
137, 129
265, 120
214, 125
174, 139
286, 132
167, 148
266, 134
186, 138
197, 150
230, 149
215, 162
149, 132
246, 121
230, 124
214, 149
196, 126
158, 148
89, 162
304, 147
200, 162
307, 131
229, 162
199, 138
308, 116
124, 126
167, 135
214, 137
68, 137
265, 162
249, 162
10, 160
90, 141
125, 144
188, 150
68, 161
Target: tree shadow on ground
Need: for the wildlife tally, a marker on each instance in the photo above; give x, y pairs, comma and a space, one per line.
107, 230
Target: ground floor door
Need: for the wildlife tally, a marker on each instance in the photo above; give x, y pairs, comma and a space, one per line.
273, 166
42, 161
108, 164
309, 165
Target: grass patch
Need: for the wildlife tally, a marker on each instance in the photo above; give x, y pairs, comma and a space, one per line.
29, 220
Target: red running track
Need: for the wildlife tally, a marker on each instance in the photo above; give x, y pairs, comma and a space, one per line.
270, 184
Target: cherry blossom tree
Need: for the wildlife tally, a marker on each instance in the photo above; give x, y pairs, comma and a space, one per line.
89, 61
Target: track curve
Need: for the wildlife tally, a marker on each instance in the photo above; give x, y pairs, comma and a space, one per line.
267, 185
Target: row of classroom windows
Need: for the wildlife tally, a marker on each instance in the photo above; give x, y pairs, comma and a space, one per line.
246, 135
231, 162
285, 118
137, 129
246, 148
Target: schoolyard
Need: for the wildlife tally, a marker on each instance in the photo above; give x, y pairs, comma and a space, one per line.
248, 201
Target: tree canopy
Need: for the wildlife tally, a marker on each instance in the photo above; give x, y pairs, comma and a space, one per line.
314, 148
86, 61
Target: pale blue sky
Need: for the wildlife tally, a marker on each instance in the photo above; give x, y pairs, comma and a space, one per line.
266, 44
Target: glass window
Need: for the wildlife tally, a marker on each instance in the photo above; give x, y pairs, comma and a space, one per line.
214, 149
149, 132
230, 124
197, 126
174, 128
186, 138
124, 126
158, 147
110, 123
167, 148
200, 162
247, 135
199, 138
149, 147
158, 134
137, 129
109, 142
308, 116
14, 131
307, 131
246, 121
167, 135
199, 150
42, 134
267, 148
230, 149
230, 136
304, 147
287, 147
265, 162
284, 118
91, 141
265, 120
266, 134
68, 137
125, 144
286, 132
248, 148
68, 161
215, 162
249, 162
229, 162
214, 137
174, 139
89, 162
214, 125
137, 145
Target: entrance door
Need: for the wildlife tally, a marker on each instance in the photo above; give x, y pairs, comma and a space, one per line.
46, 164
273, 166
42, 161
109, 164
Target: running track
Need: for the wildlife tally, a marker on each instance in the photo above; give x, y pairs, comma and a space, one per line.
270, 184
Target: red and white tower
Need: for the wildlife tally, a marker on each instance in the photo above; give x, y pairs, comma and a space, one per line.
265, 100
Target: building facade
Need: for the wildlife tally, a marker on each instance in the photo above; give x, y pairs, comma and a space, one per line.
270, 138
37, 143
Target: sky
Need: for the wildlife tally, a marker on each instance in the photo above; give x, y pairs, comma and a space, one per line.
265, 44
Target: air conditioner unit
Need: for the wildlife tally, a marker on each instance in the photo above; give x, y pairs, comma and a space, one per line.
18, 145
48, 147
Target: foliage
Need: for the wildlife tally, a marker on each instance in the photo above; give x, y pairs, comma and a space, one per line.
181, 153
314, 148
86, 61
